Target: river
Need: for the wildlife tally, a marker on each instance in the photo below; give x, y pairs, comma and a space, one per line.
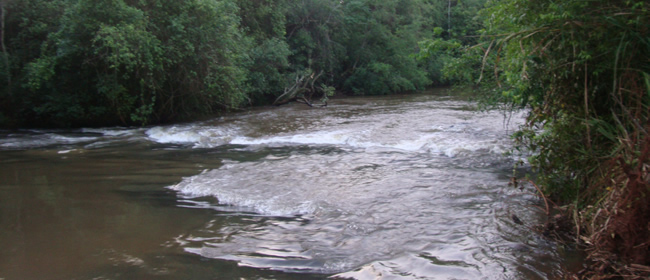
397, 187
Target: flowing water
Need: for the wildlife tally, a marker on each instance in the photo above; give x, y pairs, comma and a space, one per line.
401, 187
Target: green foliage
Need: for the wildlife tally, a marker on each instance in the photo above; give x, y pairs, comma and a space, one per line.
83, 62
270, 61
580, 67
439, 53
311, 25
447, 54
264, 22
380, 40
128, 62
328, 91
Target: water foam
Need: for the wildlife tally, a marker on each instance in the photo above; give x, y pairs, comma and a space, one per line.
22, 141
415, 197
337, 137
247, 195
111, 131
446, 132
199, 136
335, 212
450, 143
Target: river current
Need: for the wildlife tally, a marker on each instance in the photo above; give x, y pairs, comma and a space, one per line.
399, 187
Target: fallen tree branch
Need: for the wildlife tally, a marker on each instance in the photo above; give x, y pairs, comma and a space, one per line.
297, 92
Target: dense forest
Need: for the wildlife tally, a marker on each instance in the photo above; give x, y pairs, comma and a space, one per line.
131, 62
580, 68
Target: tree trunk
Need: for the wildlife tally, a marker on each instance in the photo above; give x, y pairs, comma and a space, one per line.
2, 44
449, 17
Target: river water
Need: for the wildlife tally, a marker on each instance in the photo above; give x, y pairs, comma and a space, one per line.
399, 187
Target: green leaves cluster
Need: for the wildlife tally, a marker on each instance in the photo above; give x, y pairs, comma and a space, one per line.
120, 61
133, 62
456, 29
582, 69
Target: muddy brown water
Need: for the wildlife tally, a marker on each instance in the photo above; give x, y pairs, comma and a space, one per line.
400, 187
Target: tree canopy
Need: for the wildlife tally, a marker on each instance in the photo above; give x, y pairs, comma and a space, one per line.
126, 62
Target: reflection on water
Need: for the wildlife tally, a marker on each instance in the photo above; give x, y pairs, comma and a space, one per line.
393, 187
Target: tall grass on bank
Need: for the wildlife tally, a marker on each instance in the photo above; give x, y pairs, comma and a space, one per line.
582, 67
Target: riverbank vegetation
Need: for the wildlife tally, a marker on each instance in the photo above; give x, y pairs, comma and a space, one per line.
68, 63
583, 70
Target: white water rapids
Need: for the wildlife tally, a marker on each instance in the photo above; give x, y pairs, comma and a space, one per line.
366, 190
400, 187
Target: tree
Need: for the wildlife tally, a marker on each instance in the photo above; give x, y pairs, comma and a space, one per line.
441, 53
381, 40
133, 62
3, 15
26, 26
264, 22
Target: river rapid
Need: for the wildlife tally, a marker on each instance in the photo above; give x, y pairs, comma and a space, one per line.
398, 187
